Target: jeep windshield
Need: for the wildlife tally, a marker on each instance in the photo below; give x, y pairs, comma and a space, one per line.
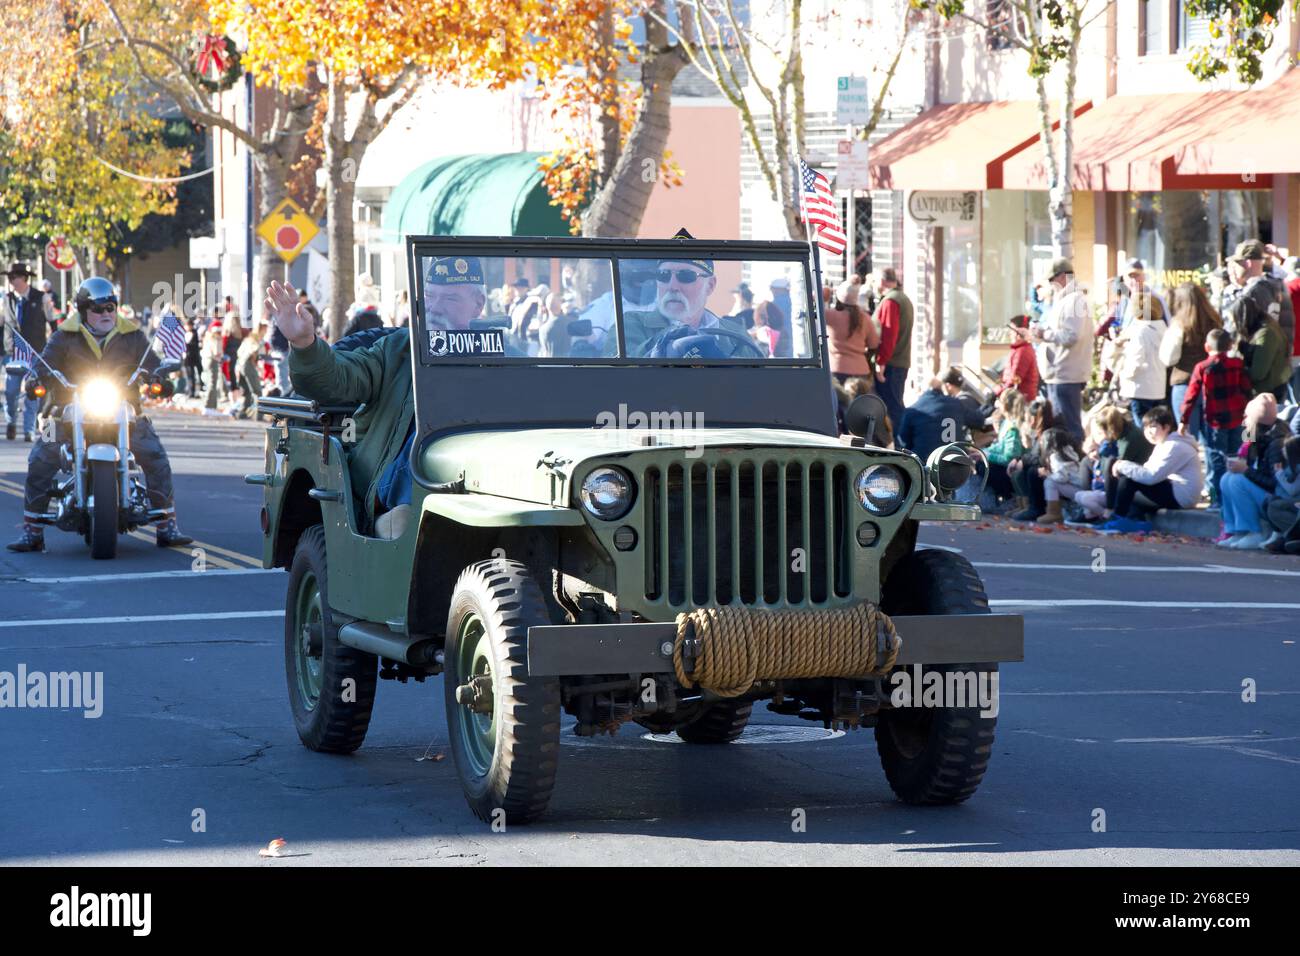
703, 305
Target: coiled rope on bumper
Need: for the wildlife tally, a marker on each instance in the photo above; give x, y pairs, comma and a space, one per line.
736, 646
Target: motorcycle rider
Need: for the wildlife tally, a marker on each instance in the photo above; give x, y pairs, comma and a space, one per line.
97, 342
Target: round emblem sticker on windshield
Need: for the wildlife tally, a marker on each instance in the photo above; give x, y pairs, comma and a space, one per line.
437, 342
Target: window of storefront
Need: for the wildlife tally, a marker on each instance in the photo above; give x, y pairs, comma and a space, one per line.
1180, 233
1017, 234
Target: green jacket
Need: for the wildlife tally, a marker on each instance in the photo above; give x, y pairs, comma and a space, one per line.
379, 377
1008, 446
1270, 365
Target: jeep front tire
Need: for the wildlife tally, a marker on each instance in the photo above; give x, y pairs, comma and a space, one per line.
935, 755
504, 725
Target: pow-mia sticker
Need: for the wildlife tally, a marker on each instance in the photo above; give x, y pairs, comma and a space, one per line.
444, 342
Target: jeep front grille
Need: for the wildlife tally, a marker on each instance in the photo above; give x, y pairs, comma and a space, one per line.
746, 532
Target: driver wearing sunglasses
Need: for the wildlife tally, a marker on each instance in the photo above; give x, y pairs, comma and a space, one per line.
682, 290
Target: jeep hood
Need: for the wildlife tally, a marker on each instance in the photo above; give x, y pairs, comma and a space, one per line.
534, 465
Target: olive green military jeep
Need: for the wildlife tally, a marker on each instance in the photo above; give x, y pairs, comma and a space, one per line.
629, 502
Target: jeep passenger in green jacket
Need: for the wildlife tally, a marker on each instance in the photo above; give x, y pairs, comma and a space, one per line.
378, 376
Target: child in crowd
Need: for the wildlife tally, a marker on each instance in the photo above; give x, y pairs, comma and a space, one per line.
1170, 478
1023, 471
1065, 474
1008, 446
1101, 450
1251, 478
1282, 513
1215, 406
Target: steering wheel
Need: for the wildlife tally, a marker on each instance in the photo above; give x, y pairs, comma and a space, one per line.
718, 331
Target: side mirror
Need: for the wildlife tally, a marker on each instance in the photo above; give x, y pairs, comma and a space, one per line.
863, 415
579, 328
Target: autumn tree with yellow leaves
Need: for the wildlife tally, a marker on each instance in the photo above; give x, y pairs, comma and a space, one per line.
77, 157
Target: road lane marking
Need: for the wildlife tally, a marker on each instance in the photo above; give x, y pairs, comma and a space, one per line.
1195, 605
5, 486
9, 487
127, 577
220, 563
1171, 569
144, 618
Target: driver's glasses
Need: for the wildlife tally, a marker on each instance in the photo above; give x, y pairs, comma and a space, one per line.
684, 276
103, 308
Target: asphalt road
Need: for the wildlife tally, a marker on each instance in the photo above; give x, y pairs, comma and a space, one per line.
1129, 702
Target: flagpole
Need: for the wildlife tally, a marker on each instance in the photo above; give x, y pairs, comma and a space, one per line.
814, 247
40, 358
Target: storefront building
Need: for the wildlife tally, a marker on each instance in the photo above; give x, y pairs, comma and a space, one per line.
1176, 180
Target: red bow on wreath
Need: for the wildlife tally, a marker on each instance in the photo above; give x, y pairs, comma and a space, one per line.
213, 56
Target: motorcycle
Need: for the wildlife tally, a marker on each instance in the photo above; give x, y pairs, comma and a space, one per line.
99, 490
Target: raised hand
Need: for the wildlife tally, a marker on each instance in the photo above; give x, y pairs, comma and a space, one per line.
291, 316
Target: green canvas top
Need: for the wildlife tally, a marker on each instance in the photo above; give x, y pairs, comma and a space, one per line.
483, 194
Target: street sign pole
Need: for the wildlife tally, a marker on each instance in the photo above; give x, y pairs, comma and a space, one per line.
852, 221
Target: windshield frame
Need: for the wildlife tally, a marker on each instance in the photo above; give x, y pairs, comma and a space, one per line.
615, 251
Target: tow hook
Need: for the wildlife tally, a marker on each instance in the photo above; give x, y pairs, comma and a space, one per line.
476, 695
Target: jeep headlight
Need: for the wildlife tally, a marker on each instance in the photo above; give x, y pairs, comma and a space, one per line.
881, 489
608, 493
99, 399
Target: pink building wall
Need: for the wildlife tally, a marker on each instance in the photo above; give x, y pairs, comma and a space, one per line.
705, 142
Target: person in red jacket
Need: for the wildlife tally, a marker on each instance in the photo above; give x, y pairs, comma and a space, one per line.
1021, 368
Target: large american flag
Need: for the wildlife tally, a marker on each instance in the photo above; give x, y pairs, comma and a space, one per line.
820, 209
172, 337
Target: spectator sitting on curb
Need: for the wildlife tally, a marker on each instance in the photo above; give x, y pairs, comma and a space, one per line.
1122, 440
1170, 478
938, 417
1065, 475
1024, 470
1214, 406
1100, 451
1008, 415
1282, 513
1251, 477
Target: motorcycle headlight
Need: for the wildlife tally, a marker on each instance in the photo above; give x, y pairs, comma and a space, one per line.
881, 489
99, 398
608, 493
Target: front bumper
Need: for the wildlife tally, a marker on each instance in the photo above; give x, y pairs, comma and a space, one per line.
577, 650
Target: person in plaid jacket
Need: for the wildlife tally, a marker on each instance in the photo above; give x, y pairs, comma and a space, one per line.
1215, 403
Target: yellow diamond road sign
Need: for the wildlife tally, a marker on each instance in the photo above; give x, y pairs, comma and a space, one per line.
288, 230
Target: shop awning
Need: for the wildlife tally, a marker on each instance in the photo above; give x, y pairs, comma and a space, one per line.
1259, 138
477, 195
955, 146
1200, 140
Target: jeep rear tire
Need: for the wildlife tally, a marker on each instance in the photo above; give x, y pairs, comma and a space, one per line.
331, 686
721, 723
505, 725
935, 755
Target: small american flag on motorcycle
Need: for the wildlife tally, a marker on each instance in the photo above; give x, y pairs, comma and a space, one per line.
820, 209
172, 336
23, 354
